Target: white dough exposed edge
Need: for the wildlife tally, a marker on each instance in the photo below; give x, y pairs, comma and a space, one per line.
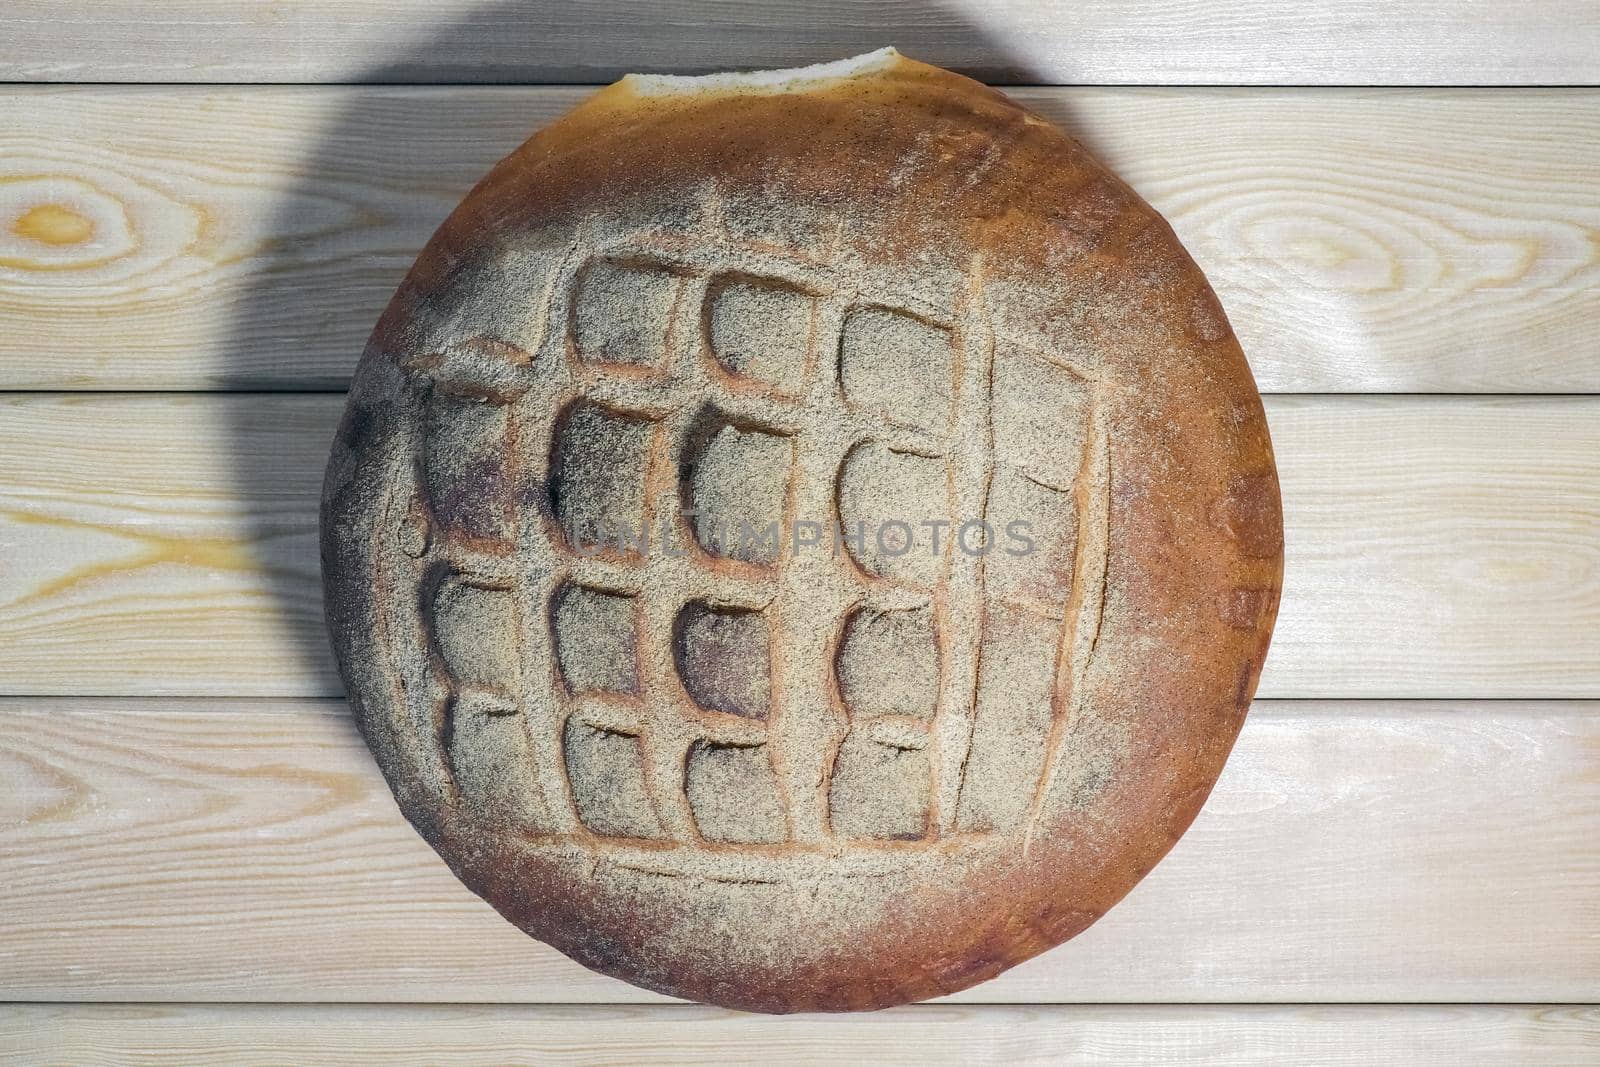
789, 80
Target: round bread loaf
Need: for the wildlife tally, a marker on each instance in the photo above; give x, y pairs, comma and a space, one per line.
802, 541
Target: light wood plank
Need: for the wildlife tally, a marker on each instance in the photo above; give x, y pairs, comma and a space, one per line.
1436, 547
163, 544
248, 850
1363, 241
1242, 1036
1349, 42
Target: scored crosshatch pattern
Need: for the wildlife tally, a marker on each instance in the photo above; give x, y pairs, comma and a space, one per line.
694, 693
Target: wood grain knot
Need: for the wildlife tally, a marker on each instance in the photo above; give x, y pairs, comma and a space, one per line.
53, 224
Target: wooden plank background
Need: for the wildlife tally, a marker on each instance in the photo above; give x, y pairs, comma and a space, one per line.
1053, 42
1108, 1036
204, 508
198, 858
1361, 851
1403, 241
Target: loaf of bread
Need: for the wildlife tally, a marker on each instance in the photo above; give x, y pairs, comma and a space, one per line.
802, 540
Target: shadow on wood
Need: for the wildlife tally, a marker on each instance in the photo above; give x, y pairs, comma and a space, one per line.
276, 313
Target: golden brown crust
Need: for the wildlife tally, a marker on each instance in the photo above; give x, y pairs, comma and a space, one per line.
904, 180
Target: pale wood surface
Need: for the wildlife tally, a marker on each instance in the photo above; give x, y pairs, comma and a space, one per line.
1362, 241
189, 815
246, 850
1256, 42
1436, 547
1088, 1036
